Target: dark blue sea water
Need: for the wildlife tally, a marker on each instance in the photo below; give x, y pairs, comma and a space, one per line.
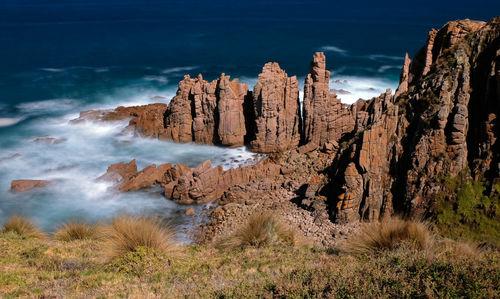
60, 57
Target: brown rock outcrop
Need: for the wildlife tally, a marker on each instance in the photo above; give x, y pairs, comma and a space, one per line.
438, 42
440, 124
231, 98
361, 161
146, 120
326, 119
206, 183
207, 112
18, 186
404, 77
179, 114
120, 172
148, 176
276, 111
365, 163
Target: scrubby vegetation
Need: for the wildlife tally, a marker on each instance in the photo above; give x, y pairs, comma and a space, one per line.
77, 230
126, 234
469, 210
392, 264
390, 234
23, 227
261, 229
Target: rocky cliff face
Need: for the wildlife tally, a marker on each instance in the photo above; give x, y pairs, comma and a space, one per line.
372, 158
443, 120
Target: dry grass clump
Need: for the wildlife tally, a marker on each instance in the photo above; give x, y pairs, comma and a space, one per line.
77, 230
460, 249
23, 227
389, 234
126, 233
261, 229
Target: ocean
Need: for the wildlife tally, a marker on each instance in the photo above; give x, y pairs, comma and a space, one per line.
58, 58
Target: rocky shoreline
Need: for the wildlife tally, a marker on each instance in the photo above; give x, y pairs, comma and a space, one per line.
330, 165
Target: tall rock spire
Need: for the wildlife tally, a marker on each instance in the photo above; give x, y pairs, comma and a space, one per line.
325, 118
403, 79
276, 111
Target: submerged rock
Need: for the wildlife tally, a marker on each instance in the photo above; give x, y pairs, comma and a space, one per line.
18, 186
49, 140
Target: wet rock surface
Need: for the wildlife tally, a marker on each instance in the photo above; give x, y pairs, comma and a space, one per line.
18, 186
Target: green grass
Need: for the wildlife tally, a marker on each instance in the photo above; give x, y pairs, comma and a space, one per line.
467, 211
32, 267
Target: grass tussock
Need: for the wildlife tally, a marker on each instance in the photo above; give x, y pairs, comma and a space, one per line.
77, 230
261, 229
36, 268
460, 249
389, 234
23, 227
127, 233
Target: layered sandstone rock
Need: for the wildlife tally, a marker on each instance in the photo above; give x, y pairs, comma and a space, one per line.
459, 98
359, 162
202, 106
276, 111
207, 112
231, 120
365, 168
206, 183
150, 175
326, 119
126, 177
146, 120
179, 114
438, 41
440, 124
404, 77
18, 186
120, 172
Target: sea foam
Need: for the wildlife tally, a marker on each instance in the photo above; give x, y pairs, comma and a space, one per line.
9, 121
360, 87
